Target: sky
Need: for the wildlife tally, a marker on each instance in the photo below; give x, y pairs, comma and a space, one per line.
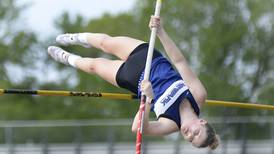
40, 15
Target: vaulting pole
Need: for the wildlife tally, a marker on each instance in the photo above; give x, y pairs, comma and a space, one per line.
146, 77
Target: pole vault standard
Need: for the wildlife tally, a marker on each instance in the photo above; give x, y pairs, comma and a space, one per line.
146, 77
121, 96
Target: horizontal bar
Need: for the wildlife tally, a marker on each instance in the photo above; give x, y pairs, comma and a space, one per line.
240, 105
127, 97
67, 93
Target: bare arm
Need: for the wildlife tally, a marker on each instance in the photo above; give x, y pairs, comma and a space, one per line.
179, 61
162, 126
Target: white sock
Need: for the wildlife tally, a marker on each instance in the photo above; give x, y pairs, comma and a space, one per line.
72, 59
82, 37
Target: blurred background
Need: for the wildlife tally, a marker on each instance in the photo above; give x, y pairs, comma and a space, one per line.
229, 44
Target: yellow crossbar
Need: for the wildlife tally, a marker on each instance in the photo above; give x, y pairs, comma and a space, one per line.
239, 105
127, 97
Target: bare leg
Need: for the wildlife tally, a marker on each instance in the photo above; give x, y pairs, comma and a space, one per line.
120, 46
105, 68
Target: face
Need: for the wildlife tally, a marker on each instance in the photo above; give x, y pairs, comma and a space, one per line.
195, 132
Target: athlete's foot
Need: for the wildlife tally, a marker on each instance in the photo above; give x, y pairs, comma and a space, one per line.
58, 54
73, 39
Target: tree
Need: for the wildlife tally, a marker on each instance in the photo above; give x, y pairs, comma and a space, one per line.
228, 43
15, 55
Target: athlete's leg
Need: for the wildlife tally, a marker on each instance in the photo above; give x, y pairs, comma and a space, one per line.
105, 68
120, 46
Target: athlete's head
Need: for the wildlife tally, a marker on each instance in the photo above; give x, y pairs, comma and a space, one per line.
200, 134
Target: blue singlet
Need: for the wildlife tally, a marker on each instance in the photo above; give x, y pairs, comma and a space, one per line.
169, 89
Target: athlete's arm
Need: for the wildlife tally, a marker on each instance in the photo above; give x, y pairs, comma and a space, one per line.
179, 61
156, 128
160, 127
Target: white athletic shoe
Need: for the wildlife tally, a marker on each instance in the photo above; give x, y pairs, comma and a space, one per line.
59, 54
73, 39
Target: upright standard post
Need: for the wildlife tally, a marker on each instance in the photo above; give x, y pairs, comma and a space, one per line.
146, 77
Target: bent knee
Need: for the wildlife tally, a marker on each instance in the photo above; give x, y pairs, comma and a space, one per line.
94, 64
88, 65
105, 42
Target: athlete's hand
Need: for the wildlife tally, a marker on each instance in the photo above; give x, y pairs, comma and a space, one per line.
146, 89
156, 22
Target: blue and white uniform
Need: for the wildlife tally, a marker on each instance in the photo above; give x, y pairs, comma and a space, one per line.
168, 86
169, 89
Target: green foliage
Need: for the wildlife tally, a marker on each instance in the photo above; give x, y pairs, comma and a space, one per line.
229, 44
266, 94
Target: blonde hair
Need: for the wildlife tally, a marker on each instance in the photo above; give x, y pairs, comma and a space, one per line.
215, 142
212, 141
